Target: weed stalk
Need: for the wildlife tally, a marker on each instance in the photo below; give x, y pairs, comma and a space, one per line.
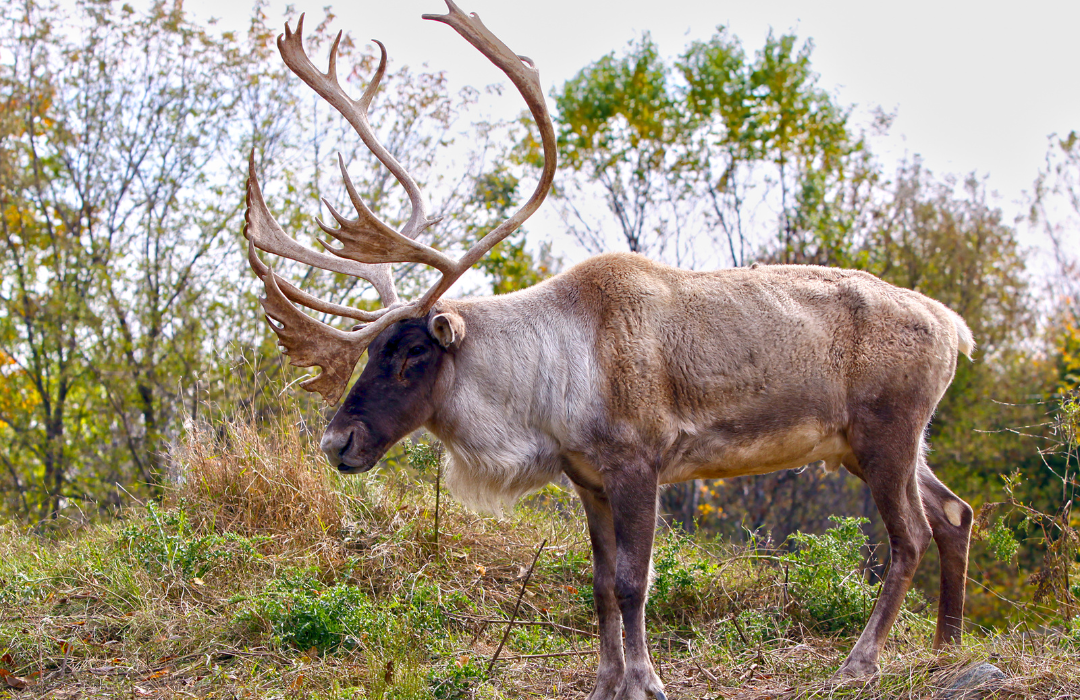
517, 606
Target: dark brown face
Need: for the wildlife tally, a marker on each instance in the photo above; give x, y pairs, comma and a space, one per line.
392, 397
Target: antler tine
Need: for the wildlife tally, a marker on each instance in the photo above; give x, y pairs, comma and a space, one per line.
262, 230
312, 343
291, 47
299, 296
526, 78
368, 240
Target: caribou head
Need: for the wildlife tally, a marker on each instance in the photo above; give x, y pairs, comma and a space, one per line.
407, 342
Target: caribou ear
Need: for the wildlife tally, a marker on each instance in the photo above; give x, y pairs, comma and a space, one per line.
448, 328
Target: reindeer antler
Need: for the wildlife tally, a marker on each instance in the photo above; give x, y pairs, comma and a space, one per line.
368, 244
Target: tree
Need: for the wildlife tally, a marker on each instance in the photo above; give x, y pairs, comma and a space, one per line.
117, 218
617, 126
1055, 209
125, 296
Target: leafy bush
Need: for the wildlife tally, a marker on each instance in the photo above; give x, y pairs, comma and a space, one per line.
301, 612
454, 682
825, 577
682, 578
1001, 542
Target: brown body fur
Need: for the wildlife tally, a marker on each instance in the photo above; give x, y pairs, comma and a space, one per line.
747, 371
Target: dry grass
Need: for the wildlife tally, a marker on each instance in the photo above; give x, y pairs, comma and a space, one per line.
177, 602
235, 477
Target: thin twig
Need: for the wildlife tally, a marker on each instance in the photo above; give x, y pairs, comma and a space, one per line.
708, 675
534, 623
738, 628
438, 484
517, 606
550, 656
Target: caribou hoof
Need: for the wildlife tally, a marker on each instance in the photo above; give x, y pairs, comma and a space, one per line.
852, 669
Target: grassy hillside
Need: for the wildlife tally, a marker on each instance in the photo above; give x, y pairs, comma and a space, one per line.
266, 575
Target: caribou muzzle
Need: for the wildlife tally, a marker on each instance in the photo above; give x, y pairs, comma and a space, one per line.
348, 449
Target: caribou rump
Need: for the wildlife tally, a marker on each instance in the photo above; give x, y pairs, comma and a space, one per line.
625, 374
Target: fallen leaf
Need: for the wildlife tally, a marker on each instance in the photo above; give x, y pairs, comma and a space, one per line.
15, 682
6, 658
198, 581
480, 569
462, 660
141, 691
298, 682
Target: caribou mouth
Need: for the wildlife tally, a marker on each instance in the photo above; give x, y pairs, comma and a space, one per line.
350, 469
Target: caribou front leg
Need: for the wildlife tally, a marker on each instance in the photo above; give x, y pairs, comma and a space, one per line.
632, 496
609, 672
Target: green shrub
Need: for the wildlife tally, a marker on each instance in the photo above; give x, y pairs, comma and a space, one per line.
682, 579
825, 577
1001, 542
455, 679
301, 612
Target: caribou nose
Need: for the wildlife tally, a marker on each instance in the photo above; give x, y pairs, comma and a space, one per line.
334, 443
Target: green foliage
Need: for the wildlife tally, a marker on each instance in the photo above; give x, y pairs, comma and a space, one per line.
423, 457
1001, 542
668, 155
615, 107
303, 613
770, 110
825, 576
456, 681
617, 123
18, 588
166, 546
749, 629
121, 207
509, 265
688, 583
679, 575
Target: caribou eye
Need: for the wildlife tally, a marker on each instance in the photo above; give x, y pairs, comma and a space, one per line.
416, 350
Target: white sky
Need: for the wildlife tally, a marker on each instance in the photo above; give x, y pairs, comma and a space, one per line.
977, 86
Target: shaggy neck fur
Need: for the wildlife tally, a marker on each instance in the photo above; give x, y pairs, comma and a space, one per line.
521, 389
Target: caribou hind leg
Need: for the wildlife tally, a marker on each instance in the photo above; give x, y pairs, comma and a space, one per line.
888, 452
950, 519
609, 672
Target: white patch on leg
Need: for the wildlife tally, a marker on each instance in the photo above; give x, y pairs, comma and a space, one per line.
954, 512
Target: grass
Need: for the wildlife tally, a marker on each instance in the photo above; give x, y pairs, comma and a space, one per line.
267, 575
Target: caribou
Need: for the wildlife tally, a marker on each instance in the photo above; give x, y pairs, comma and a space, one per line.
624, 374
